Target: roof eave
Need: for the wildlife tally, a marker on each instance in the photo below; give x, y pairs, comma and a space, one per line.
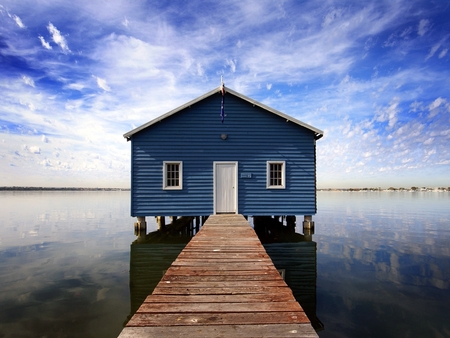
277, 112
173, 111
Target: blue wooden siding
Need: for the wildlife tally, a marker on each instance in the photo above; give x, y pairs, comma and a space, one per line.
193, 135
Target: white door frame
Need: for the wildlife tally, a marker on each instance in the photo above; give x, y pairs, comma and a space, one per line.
235, 207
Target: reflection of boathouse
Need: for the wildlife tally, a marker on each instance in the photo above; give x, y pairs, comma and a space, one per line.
152, 254
298, 262
295, 256
148, 262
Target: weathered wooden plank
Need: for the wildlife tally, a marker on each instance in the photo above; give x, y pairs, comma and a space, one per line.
223, 248
219, 278
222, 262
217, 290
210, 318
222, 255
207, 241
221, 284
224, 259
236, 267
199, 271
207, 233
236, 331
218, 307
281, 296
226, 234
229, 249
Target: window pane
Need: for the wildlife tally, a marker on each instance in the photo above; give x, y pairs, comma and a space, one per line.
172, 175
276, 174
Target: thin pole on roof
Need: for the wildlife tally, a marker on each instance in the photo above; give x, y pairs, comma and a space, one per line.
222, 105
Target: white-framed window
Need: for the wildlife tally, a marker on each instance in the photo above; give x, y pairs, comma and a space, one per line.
172, 175
276, 174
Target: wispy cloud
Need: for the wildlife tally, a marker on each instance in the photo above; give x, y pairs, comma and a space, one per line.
433, 51
44, 43
231, 64
57, 38
423, 27
18, 21
443, 53
102, 83
28, 80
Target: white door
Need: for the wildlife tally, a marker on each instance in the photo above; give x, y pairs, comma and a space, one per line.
225, 187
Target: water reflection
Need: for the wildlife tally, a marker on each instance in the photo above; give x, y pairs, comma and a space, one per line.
418, 266
152, 254
295, 256
64, 263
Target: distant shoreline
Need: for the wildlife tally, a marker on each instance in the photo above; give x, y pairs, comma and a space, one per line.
412, 189
60, 189
14, 188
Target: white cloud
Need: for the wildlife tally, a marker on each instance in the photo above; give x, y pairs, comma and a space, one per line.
102, 84
231, 64
58, 38
423, 27
429, 141
389, 114
31, 149
416, 106
76, 86
44, 43
18, 21
433, 51
35, 150
331, 16
436, 104
406, 32
46, 163
200, 70
28, 80
269, 86
443, 53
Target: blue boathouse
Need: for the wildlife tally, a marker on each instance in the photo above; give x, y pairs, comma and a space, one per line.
256, 161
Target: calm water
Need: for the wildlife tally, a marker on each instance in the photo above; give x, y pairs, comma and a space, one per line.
383, 264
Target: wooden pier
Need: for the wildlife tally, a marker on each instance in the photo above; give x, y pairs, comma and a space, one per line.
223, 284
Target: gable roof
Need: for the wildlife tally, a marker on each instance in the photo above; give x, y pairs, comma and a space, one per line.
318, 132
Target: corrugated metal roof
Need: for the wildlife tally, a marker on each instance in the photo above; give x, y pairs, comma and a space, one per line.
318, 132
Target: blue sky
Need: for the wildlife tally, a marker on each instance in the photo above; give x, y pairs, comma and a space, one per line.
77, 75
